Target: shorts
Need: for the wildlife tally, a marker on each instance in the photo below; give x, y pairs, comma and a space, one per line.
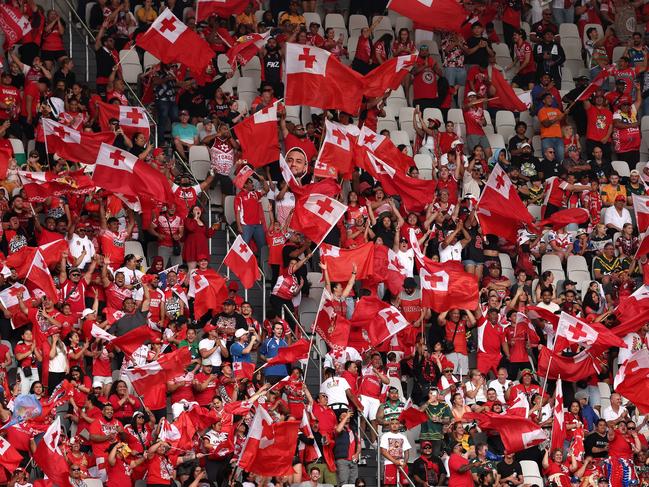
473, 140
390, 475
488, 361
370, 407
227, 186
524, 80
455, 76
470, 262
105, 381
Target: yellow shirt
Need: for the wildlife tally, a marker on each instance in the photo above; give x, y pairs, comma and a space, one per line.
246, 19
293, 19
147, 16
550, 113
609, 192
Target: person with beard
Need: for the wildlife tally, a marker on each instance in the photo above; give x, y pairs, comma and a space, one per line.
188, 192
104, 432
526, 161
271, 67
428, 469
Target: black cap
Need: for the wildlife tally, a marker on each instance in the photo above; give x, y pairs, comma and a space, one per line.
568, 282
229, 301
409, 282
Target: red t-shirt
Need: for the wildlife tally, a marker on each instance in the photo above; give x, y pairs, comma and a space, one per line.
9, 95
370, 384
112, 245
159, 470
599, 121
120, 474
473, 120
424, 84
247, 205
31, 89
102, 427
459, 341
74, 294
457, 478
116, 295
305, 144
492, 337
205, 396
620, 446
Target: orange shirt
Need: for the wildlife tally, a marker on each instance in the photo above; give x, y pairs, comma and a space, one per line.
550, 113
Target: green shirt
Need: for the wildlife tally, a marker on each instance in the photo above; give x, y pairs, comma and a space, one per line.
193, 348
433, 430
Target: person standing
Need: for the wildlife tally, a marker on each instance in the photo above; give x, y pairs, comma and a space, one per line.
395, 449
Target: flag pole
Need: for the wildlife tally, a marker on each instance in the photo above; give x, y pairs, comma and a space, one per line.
125, 55
555, 398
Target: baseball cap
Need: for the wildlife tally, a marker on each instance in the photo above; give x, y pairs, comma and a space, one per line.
96, 384
206, 361
526, 372
634, 172
455, 143
209, 327
620, 197
568, 282
525, 144
229, 301
158, 151
86, 312
471, 93
233, 286
240, 332
581, 395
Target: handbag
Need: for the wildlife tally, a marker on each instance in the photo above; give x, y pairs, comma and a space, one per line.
27, 371
448, 346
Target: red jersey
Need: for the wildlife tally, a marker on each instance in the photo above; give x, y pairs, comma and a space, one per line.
112, 245
520, 53
492, 337
9, 96
116, 295
620, 446
424, 84
599, 120
371, 384
457, 337
247, 205
103, 427
73, 293
160, 470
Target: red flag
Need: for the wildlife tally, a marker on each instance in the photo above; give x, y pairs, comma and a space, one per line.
594, 85
130, 341
446, 286
316, 78
222, 8
315, 215
641, 209
643, 248
187, 430
516, 433
50, 459
632, 312
246, 48
53, 251
337, 148
558, 423
225, 36
39, 186
573, 369
10, 458
332, 327
243, 370
387, 270
9, 299
573, 330
385, 150
74, 145
150, 379
536, 313
243, 263
506, 99
288, 355
131, 119
631, 379
437, 15
500, 209
412, 417
243, 175
14, 25
208, 290
340, 261
6, 153
171, 41
270, 447
39, 277
565, 217
119, 171
259, 136
381, 320
387, 76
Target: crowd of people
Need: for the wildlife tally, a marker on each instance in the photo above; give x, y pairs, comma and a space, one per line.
441, 365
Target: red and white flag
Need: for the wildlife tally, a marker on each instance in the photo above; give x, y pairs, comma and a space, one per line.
315, 215
641, 209
432, 15
594, 85
643, 248
259, 136
150, 379
243, 263
536, 313
500, 209
520, 406
39, 277
573, 330
575, 368
337, 147
246, 48
9, 299
505, 96
291, 354
39, 186
339, 261
333, 328
388, 76
49, 457
130, 341
558, 421
171, 41
222, 8
381, 320
632, 312
10, 458
631, 380
244, 173
14, 24
270, 446
131, 119
98, 332
446, 286
243, 370
517, 433
384, 149
119, 171
314, 77
73, 145
208, 290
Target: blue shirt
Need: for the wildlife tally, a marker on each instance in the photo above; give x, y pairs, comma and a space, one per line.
269, 350
590, 416
236, 352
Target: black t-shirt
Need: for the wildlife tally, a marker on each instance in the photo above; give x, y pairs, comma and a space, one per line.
480, 56
548, 168
235, 320
596, 440
105, 62
505, 470
272, 67
431, 474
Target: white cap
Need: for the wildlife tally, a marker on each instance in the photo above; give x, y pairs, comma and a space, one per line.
86, 312
471, 93
240, 332
97, 384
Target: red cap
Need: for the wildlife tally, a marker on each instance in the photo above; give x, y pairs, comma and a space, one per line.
233, 286
209, 327
203, 257
620, 197
157, 151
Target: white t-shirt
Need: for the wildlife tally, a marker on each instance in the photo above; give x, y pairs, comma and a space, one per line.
450, 252
59, 363
609, 415
481, 396
611, 216
498, 387
130, 275
396, 445
207, 344
407, 260
335, 388
77, 246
